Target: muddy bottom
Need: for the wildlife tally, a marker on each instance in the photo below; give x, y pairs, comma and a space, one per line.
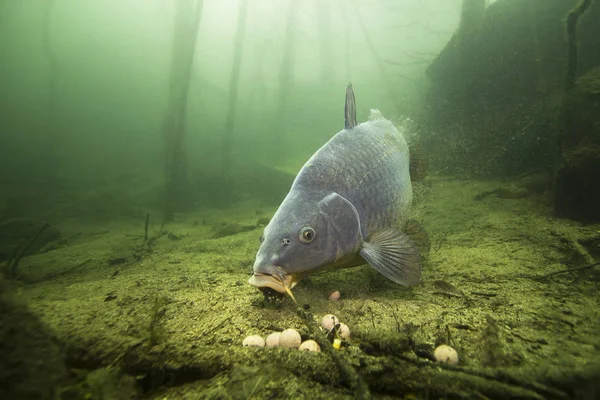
165, 317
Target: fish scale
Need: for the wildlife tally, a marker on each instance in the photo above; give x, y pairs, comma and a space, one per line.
368, 187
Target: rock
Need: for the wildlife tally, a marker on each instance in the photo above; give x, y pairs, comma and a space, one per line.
576, 187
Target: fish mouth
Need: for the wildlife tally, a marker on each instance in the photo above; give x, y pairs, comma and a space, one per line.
281, 282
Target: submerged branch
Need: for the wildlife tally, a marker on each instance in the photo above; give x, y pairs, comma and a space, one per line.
562, 271
14, 263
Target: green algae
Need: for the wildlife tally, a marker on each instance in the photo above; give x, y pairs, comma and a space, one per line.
515, 336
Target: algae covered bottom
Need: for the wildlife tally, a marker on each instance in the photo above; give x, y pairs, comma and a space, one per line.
173, 313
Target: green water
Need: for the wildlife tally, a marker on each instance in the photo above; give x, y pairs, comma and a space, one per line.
144, 145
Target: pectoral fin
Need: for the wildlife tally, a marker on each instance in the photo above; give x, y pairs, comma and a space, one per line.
394, 255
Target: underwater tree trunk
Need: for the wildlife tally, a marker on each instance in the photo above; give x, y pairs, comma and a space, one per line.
187, 21
286, 83
378, 61
468, 33
326, 48
576, 191
346, 44
460, 56
471, 18
258, 96
572, 44
49, 148
467, 36
542, 79
233, 87
457, 54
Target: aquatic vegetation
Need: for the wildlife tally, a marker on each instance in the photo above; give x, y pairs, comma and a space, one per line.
159, 146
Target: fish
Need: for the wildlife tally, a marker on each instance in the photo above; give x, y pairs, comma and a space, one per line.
349, 205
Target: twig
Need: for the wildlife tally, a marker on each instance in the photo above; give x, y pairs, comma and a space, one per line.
153, 239
449, 335
393, 312
587, 257
12, 271
146, 227
372, 317
566, 270
255, 386
217, 326
397, 320
54, 275
352, 377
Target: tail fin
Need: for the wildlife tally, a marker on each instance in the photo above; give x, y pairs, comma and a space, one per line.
350, 108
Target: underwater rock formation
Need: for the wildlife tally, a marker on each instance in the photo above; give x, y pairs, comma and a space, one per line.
496, 90
577, 186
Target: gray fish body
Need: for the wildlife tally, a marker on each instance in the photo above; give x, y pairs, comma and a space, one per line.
369, 166
354, 188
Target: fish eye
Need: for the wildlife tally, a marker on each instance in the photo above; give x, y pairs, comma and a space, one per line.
307, 234
261, 238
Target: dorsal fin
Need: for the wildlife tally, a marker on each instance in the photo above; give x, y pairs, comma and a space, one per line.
350, 108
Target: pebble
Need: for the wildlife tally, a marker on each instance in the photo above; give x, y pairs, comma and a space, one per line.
254, 340
273, 339
329, 321
446, 354
335, 296
344, 331
290, 338
310, 345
